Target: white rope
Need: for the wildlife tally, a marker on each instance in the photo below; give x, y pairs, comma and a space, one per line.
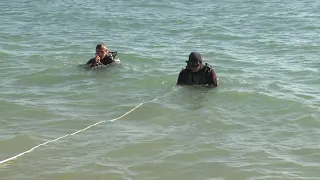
42, 144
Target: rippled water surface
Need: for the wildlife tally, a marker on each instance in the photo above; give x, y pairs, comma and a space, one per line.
262, 122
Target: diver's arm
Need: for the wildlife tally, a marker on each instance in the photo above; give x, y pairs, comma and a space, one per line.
91, 61
213, 79
180, 79
94, 61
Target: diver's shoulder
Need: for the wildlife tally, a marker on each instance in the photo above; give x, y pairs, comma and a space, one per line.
92, 60
185, 69
207, 65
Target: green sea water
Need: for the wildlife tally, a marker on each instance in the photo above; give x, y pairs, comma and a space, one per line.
262, 122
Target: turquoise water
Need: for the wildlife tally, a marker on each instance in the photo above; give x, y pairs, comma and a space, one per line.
262, 122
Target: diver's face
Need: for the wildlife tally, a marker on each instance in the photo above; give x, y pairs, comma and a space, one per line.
194, 66
101, 52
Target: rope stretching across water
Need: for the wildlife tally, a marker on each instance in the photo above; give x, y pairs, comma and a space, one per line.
71, 134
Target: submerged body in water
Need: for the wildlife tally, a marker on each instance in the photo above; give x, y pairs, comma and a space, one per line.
195, 73
103, 58
108, 59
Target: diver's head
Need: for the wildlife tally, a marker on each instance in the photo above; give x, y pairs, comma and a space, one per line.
101, 50
194, 62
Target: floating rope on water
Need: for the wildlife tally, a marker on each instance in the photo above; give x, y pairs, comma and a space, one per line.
71, 134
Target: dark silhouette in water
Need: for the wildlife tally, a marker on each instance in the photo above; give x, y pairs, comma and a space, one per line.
195, 73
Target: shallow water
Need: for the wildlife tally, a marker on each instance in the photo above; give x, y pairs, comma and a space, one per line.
262, 122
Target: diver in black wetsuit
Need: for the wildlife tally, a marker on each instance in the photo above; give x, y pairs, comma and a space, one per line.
103, 56
195, 73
